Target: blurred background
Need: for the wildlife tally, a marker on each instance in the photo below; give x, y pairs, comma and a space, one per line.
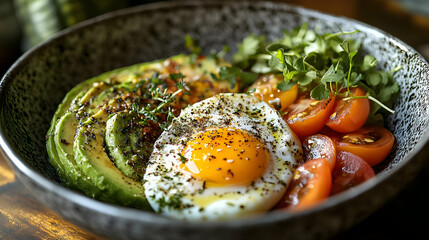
26, 23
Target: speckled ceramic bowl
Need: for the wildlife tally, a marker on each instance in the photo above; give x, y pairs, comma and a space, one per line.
32, 89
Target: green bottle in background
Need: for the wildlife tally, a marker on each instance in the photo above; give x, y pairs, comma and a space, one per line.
10, 35
40, 19
25, 23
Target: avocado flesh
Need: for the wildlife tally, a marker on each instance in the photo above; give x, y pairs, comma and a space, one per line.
130, 143
84, 106
114, 186
65, 130
80, 103
64, 134
54, 157
62, 138
60, 155
94, 161
58, 165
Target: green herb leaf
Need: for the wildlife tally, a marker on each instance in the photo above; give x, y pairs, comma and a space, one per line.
261, 67
387, 91
193, 58
355, 78
279, 54
182, 158
218, 56
231, 74
176, 76
152, 91
320, 92
274, 63
369, 62
248, 77
214, 76
315, 60
356, 60
174, 202
284, 86
250, 91
332, 75
345, 45
298, 64
307, 78
332, 35
273, 47
291, 74
249, 47
373, 79
192, 45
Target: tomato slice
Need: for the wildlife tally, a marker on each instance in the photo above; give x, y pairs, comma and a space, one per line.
349, 115
371, 143
266, 90
307, 116
350, 171
311, 184
320, 146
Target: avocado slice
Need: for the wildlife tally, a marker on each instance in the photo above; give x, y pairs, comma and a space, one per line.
75, 99
58, 165
93, 160
84, 104
61, 139
130, 143
64, 134
54, 158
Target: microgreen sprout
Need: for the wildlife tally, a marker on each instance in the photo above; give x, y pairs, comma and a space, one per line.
165, 100
322, 64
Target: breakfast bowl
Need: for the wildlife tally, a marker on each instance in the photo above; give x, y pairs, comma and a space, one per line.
35, 85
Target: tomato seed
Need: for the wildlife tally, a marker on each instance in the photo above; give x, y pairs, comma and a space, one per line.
314, 103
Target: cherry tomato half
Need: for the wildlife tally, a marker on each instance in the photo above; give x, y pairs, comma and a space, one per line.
320, 146
349, 115
311, 184
372, 143
350, 171
307, 116
266, 90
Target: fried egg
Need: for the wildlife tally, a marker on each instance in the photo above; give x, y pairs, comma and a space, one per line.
226, 157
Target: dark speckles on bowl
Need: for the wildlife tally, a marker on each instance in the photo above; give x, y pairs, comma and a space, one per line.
32, 89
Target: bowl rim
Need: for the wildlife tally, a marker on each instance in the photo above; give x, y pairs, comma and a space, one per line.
154, 219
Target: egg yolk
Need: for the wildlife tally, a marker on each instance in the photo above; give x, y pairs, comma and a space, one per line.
225, 156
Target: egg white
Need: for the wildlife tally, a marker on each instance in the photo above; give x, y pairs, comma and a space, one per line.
175, 192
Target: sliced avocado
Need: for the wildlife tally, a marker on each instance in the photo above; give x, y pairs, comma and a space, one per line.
59, 145
95, 163
54, 158
64, 134
84, 104
58, 164
130, 143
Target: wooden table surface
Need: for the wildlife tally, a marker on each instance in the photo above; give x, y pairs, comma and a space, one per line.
23, 217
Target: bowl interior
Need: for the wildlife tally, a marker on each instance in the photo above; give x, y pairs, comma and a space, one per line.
36, 84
